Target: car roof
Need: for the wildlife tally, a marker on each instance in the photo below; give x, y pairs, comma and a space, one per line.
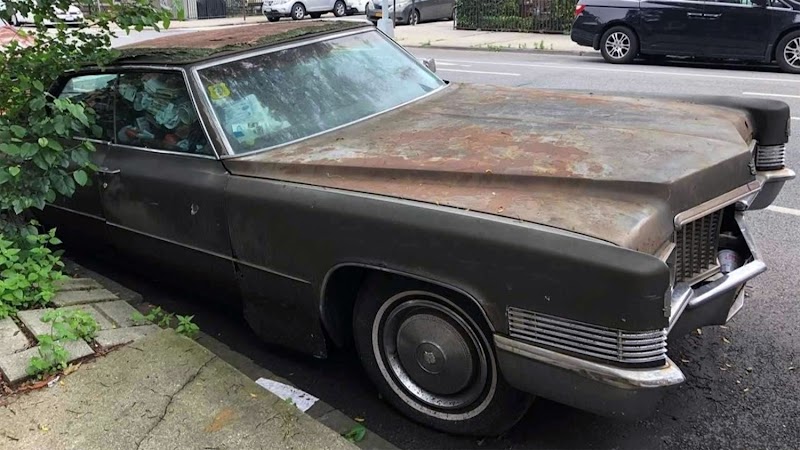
192, 47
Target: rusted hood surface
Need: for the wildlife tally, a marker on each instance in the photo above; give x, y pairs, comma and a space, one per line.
614, 168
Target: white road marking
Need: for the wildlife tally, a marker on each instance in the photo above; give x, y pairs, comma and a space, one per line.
452, 64
644, 72
481, 72
781, 209
764, 94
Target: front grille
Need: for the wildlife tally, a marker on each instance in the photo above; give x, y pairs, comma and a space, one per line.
631, 347
770, 157
696, 248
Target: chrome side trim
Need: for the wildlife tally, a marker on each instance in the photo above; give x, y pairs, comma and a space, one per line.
74, 211
208, 252
715, 204
166, 152
622, 378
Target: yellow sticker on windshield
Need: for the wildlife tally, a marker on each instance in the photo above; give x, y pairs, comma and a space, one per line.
218, 91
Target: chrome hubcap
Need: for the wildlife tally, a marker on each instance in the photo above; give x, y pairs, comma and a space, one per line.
618, 45
431, 356
340, 9
298, 11
414, 18
791, 53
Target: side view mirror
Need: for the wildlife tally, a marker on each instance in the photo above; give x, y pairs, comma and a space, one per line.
430, 63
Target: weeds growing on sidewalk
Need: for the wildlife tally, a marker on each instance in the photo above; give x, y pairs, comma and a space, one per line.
185, 327
65, 326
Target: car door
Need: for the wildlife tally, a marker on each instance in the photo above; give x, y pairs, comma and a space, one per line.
319, 5
674, 27
163, 187
80, 217
736, 29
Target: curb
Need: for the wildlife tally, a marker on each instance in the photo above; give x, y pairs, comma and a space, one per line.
505, 50
321, 411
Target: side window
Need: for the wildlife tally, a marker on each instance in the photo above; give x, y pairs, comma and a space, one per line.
154, 111
97, 92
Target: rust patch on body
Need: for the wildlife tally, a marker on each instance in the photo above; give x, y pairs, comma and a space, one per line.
615, 168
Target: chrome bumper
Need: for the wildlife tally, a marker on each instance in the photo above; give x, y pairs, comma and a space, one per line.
770, 185
623, 391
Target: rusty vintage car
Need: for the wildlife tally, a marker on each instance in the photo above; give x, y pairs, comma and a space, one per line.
477, 245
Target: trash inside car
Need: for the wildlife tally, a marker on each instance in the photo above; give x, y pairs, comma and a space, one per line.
477, 245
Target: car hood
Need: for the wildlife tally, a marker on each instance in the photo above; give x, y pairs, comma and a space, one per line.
609, 167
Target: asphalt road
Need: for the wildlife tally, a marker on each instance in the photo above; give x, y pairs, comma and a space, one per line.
743, 380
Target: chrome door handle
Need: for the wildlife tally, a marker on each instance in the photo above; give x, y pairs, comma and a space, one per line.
107, 171
694, 14
712, 16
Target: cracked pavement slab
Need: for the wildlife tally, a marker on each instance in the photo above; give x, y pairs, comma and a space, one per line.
164, 391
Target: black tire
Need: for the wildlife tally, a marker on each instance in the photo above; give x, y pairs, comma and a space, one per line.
619, 45
401, 325
413, 17
315, 15
298, 11
788, 52
339, 9
273, 19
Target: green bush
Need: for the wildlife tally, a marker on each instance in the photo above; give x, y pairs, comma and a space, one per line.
28, 271
514, 15
38, 159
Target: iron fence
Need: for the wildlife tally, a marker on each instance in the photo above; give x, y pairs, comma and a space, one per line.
548, 16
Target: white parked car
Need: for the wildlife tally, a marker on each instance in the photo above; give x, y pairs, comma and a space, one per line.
298, 9
73, 15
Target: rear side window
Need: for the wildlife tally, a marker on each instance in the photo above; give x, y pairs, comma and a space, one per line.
97, 92
154, 111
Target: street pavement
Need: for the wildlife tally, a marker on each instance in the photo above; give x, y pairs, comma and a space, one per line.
743, 380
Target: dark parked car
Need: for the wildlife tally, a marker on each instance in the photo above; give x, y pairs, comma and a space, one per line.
766, 31
411, 12
479, 245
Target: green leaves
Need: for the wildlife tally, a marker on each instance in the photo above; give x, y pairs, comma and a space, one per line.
14, 170
356, 434
80, 177
186, 327
18, 131
28, 268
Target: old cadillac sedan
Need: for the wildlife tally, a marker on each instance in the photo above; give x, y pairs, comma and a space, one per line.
477, 245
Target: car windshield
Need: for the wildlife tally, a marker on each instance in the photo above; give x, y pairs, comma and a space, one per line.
281, 96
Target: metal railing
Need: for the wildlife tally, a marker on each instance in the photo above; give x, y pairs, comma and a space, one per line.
547, 16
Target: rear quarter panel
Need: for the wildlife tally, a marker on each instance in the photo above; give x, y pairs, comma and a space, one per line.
288, 237
598, 15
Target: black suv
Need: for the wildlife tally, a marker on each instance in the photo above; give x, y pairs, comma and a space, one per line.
753, 30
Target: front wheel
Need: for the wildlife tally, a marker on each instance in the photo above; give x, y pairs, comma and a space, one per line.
788, 53
619, 45
432, 359
413, 17
339, 8
298, 11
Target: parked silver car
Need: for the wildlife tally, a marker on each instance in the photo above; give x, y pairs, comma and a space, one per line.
411, 12
298, 9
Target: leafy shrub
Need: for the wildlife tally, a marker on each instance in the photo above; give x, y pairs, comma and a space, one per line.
28, 268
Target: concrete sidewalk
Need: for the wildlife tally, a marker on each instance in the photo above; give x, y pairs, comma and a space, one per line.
164, 391
434, 35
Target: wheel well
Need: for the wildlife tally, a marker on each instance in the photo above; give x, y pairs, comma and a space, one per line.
340, 291
614, 23
774, 52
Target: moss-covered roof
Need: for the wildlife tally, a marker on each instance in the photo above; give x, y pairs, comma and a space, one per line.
199, 45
